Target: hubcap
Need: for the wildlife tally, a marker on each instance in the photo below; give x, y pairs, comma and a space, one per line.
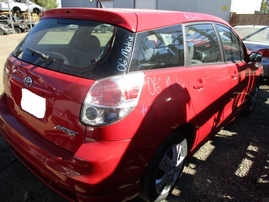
170, 167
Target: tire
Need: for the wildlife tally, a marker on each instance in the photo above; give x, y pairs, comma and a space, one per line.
17, 30
164, 169
1, 32
252, 100
36, 10
16, 9
266, 78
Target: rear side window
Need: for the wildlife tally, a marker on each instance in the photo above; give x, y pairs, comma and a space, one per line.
202, 44
233, 48
159, 48
78, 47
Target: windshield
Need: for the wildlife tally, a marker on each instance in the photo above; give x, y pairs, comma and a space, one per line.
82, 48
255, 34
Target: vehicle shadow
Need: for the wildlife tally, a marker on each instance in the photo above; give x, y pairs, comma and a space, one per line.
234, 164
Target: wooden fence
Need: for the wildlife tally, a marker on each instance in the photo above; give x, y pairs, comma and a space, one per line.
249, 19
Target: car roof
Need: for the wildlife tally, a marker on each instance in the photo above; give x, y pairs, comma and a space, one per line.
135, 20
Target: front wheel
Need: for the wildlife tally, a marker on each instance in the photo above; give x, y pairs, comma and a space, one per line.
165, 168
252, 100
266, 79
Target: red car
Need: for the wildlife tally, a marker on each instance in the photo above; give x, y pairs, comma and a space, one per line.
107, 116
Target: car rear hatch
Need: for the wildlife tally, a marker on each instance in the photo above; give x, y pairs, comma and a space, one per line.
47, 102
51, 71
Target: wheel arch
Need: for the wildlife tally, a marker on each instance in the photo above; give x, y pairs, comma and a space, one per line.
184, 133
16, 8
36, 10
189, 132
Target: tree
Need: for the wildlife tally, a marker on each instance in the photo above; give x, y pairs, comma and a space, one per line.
48, 4
265, 6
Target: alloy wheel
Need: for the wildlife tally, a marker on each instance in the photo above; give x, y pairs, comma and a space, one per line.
170, 167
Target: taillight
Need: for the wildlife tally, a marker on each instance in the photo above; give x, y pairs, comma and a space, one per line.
111, 99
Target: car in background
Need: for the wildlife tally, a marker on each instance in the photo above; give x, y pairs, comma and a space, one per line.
20, 7
110, 116
256, 37
34, 8
20, 26
5, 29
14, 6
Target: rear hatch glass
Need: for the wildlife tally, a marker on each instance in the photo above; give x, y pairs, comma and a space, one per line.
82, 48
53, 68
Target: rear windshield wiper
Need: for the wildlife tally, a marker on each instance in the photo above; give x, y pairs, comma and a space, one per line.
42, 55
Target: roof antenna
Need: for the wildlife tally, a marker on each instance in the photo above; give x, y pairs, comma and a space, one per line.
101, 4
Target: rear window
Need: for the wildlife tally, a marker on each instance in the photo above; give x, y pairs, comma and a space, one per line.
78, 47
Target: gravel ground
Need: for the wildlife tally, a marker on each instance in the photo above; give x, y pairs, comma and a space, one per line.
233, 166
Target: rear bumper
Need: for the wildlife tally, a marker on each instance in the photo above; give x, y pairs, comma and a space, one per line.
79, 176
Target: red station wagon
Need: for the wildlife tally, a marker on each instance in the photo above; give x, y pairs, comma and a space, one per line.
108, 115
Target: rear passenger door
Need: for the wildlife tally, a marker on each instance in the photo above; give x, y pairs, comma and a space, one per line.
159, 53
209, 76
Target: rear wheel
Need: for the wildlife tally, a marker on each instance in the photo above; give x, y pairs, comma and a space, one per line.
165, 168
1, 32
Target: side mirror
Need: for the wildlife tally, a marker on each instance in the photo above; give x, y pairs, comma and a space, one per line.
255, 57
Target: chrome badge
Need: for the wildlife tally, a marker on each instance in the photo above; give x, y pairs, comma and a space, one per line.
66, 130
27, 82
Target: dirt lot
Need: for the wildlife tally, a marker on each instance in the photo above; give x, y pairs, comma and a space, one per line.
233, 166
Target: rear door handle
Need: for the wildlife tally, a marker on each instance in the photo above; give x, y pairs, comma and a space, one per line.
198, 85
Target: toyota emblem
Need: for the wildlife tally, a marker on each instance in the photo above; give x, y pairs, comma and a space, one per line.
28, 81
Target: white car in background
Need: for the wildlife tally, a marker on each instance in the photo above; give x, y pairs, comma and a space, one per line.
14, 6
21, 7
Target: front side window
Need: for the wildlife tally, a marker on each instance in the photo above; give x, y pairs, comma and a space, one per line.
78, 47
159, 48
202, 44
233, 48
